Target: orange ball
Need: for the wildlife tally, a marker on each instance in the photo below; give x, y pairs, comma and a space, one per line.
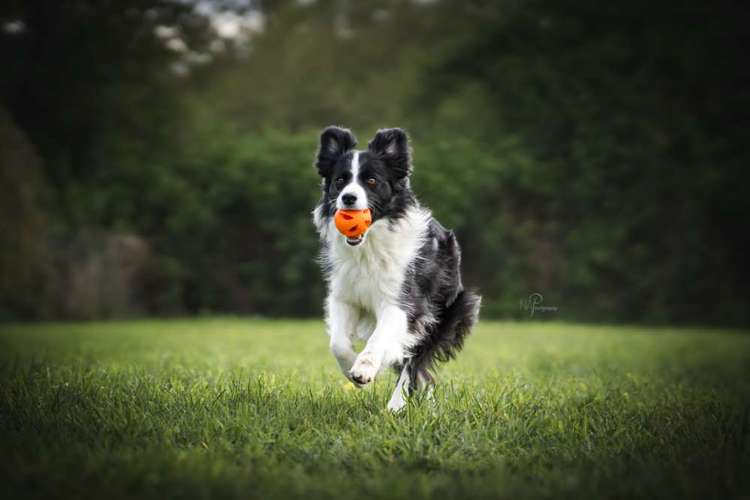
352, 223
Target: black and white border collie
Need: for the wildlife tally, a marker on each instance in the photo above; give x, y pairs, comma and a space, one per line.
398, 287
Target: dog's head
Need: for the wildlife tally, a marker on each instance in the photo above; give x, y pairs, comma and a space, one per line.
376, 178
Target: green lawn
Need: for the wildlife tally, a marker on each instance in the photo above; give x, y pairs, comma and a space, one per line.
225, 408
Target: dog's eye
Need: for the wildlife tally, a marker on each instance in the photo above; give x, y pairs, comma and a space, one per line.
339, 181
371, 181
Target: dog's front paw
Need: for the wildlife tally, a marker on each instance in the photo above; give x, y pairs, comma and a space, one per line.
365, 368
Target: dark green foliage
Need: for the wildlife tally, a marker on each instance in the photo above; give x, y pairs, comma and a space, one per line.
23, 225
632, 114
593, 154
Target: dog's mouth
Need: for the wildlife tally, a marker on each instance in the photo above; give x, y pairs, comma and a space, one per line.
353, 242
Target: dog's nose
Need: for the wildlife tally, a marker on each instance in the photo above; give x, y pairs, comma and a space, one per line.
349, 199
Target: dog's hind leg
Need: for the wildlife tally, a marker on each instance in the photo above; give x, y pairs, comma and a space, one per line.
410, 380
422, 380
398, 398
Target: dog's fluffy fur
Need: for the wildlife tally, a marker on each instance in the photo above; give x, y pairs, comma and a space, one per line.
398, 287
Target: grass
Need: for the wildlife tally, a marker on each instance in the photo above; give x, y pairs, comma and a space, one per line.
227, 408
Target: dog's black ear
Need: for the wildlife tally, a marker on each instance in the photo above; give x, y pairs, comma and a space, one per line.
334, 142
392, 146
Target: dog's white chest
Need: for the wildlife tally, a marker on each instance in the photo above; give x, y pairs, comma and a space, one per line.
368, 283
371, 276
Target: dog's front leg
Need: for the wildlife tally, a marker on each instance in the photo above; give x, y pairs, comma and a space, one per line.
385, 347
342, 321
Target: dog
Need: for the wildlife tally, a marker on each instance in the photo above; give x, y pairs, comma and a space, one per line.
398, 286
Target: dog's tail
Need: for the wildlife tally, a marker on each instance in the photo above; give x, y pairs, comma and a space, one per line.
447, 339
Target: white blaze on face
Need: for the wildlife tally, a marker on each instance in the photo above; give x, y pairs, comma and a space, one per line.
354, 188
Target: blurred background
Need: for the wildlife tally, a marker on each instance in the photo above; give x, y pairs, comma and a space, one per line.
156, 156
